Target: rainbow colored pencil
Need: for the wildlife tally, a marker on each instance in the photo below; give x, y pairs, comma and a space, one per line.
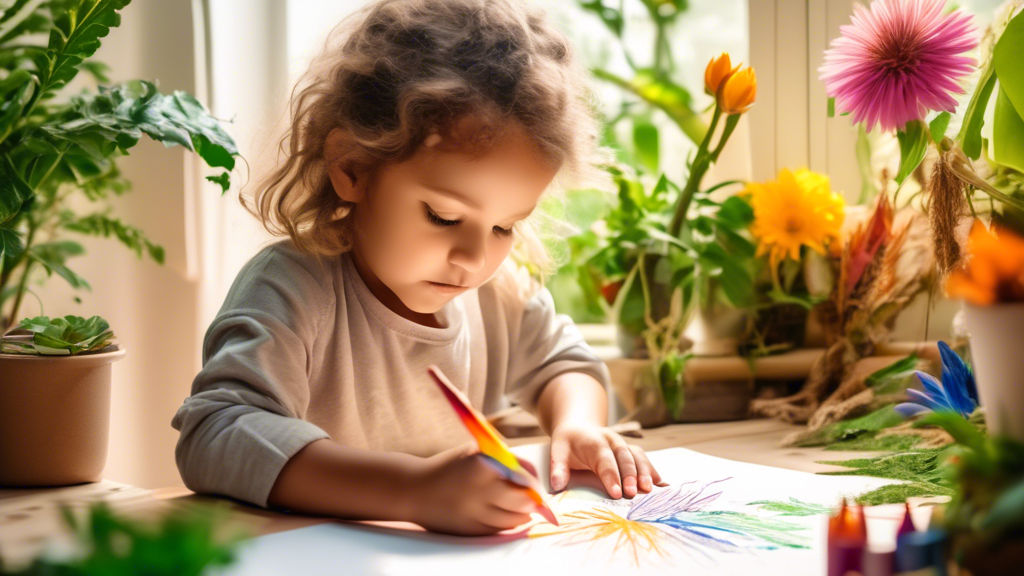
491, 443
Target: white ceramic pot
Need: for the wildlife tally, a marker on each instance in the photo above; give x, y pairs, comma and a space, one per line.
997, 348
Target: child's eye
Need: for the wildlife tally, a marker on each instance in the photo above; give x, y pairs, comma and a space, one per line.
503, 232
498, 230
438, 220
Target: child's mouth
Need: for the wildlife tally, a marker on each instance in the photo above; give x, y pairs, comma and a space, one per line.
446, 288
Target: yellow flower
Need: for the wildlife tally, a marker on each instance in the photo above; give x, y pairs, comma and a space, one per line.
718, 70
798, 209
739, 92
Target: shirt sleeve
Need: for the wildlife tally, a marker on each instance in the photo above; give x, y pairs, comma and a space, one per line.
244, 418
544, 345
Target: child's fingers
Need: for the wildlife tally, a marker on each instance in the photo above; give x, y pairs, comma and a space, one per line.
503, 519
626, 464
529, 467
644, 470
607, 469
513, 499
559, 464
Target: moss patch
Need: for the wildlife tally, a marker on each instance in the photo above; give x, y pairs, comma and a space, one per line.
898, 493
844, 432
921, 469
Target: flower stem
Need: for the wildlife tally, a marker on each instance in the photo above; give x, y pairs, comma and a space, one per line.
701, 161
730, 125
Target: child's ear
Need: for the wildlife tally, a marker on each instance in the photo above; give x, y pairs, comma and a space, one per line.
348, 184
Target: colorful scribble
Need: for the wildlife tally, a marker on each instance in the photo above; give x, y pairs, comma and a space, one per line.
676, 519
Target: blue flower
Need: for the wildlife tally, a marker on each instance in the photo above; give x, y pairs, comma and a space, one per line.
955, 393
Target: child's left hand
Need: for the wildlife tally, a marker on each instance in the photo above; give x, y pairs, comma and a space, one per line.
623, 469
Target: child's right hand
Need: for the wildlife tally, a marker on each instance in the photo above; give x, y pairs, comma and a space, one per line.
456, 492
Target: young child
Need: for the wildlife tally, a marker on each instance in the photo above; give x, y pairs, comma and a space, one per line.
422, 139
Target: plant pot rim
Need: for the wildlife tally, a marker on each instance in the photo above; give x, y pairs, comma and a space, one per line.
82, 360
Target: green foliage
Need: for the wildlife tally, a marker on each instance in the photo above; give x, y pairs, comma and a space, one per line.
921, 471
873, 442
1007, 131
183, 542
792, 507
61, 336
913, 146
893, 378
105, 226
839, 433
576, 288
51, 148
987, 475
714, 251
898, 493
974, 117
937, 127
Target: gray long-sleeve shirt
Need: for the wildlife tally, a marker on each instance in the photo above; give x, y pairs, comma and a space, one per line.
302, 350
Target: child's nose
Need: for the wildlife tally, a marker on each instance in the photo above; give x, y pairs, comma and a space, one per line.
468, 253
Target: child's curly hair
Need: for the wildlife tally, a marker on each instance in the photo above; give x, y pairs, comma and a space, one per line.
398, 70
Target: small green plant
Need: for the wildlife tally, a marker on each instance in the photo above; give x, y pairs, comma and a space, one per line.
60, 337
53, 149
986, 514
183, 542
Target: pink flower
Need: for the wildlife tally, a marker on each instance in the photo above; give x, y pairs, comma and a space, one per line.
897, 61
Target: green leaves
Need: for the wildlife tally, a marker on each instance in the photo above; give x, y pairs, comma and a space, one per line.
662, 93
10, 246
1008, 127
185, 540
913, 146
892, 379
1007, 133
1006, 61
52, 256
670, 379
611, 17
19, 89
105, 226
75, 37
937, 127
13, 191
118, 116
645, 141
974, 117
61, 336
958, 427
20, 18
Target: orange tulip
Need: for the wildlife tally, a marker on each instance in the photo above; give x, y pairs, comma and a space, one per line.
995, 271
718, 70
738, 93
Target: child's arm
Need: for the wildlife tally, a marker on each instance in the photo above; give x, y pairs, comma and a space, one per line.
453, 492
572, 409
554, 374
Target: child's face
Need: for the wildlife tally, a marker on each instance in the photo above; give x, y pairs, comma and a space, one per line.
418, 246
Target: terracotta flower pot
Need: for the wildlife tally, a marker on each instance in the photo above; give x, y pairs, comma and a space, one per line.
54, 418
997, 334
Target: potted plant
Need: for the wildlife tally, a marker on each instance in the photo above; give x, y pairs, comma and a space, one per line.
992, 285
55, 374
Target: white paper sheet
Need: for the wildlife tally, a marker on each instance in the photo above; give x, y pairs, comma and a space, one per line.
706, 522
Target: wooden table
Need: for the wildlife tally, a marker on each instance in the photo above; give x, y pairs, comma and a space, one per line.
29, 517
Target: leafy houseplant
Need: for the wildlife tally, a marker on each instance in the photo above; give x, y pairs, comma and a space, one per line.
50, 150
183, 541
666, 253
60, 336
